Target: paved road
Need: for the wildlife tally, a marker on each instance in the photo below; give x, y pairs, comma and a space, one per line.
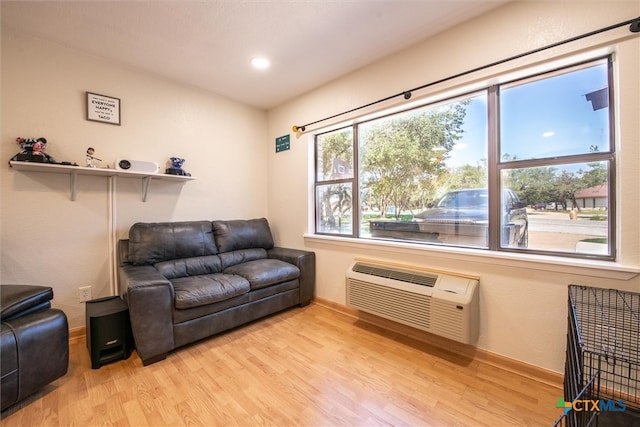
556, 232
559, 222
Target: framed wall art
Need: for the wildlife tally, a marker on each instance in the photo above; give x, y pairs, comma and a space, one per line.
102, 108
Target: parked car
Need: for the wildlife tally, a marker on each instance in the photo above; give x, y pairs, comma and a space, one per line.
461, 218
551, 206
466, 213
539, 206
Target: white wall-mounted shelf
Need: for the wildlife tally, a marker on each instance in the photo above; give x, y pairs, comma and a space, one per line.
74, 171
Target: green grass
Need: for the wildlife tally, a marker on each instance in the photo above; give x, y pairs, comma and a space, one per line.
596, 240
403, 217
594, 214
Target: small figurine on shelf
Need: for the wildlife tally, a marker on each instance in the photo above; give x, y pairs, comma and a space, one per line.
91, 158
176, 167
32, 151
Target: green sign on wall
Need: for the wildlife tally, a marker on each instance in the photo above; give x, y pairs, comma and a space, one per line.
282, 143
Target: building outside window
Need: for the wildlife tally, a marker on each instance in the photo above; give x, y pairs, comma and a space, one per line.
514, 167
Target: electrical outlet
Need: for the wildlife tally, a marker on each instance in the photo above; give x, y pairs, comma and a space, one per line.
84, 293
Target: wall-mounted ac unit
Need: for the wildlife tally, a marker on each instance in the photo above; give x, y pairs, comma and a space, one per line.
438, 302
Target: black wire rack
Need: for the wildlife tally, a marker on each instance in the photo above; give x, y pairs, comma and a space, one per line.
603, 356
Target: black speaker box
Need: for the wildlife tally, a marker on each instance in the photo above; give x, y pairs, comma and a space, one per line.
109, 336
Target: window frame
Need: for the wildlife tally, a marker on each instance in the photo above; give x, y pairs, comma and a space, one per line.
320, 183
495, 166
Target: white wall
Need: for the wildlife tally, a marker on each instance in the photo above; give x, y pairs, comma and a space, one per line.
48, 239
523, 300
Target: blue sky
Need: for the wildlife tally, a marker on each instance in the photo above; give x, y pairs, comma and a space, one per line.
544, 118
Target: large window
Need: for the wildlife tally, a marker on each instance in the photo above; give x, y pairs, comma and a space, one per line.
525, 166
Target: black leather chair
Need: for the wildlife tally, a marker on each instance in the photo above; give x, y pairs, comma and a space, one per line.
34, 341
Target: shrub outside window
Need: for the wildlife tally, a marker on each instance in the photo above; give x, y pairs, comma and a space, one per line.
525, 166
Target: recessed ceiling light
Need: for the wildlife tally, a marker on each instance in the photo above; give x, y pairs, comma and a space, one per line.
261, 63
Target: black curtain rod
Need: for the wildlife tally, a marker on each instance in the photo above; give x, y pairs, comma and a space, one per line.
634, 27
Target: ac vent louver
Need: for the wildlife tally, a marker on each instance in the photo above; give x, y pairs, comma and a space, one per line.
438, 302
402, 276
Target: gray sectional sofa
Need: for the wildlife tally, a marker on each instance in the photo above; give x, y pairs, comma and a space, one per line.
185, 281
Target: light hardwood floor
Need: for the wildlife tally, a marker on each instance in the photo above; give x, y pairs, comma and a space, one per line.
302, 367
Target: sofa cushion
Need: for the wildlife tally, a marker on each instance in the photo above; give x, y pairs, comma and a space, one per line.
242, 234
207, 289
20, 300
243, 255
150, 243
184, 267
264, 272
196, 313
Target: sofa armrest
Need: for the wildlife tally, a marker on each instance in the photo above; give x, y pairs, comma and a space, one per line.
150, 298
34, 351
306, 262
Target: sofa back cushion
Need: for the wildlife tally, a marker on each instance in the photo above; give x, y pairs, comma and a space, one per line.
242, 234
185, 267
150, 243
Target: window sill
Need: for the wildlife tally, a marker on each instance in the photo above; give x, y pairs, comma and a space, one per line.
582, 267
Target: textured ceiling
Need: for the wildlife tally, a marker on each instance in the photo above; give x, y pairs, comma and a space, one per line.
208, 44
